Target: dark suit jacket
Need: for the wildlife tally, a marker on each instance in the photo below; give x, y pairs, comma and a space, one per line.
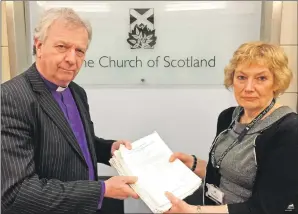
42, 166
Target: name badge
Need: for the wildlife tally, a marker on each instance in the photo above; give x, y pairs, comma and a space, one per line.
214, 193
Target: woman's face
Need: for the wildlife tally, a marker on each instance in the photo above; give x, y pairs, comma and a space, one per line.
253, 86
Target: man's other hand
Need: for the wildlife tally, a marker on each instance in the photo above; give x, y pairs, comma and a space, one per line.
118, 187
116, 145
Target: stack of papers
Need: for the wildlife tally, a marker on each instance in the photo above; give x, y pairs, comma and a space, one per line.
149, 161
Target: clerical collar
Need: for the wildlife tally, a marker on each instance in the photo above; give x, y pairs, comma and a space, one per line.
60, 89
52, 86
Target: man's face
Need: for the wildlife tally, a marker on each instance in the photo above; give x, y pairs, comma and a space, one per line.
61, 54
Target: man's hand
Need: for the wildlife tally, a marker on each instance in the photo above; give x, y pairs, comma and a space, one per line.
116, 145
179, 206
117, 187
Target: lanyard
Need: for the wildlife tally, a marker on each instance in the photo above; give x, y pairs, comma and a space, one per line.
241, 135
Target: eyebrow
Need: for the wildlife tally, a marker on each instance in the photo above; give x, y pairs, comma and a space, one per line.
60, 41
81, 49
67, 44
260, 73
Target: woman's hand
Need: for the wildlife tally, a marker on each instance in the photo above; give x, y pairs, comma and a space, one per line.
185, 158
188, 160
179, 206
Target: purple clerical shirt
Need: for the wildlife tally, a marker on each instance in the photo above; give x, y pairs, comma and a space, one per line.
68, 105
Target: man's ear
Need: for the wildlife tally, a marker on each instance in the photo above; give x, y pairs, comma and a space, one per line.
38, 44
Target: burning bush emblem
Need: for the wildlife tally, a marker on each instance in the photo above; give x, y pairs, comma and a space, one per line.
142, 32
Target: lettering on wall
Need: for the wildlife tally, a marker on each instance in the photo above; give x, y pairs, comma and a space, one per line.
142, 36
159, 61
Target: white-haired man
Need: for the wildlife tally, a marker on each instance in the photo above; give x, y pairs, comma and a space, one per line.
49, 150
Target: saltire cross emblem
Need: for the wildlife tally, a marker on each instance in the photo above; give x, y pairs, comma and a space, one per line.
141, 27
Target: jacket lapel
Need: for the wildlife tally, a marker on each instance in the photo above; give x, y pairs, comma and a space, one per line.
86, 123
52, 109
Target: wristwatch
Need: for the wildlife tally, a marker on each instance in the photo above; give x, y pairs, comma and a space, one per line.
199, 210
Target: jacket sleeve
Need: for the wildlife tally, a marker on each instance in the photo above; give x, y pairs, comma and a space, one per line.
22, 190
276, 183
103, 149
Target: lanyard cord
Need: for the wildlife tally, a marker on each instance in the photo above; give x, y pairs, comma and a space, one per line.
241, 135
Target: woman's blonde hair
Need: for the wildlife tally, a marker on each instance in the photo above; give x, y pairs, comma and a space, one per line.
261, 53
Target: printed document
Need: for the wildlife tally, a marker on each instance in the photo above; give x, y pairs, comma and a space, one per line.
149, 161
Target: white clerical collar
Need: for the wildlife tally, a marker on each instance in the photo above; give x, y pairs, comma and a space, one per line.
61, 89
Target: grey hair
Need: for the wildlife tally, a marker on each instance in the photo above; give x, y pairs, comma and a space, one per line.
68, 14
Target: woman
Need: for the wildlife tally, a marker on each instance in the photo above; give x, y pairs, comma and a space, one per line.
253, 161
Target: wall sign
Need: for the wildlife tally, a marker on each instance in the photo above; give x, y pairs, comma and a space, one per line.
161, 42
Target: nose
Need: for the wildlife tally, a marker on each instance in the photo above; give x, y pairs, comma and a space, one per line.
71, 56
249, 86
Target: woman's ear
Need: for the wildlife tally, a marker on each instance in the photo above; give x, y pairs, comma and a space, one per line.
275, 90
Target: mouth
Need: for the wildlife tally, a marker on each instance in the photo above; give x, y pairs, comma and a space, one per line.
249, 98
66, 70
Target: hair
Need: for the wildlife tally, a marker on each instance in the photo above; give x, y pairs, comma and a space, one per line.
51, 15
261, 53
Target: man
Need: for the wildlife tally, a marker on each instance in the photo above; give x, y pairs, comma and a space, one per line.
49, 149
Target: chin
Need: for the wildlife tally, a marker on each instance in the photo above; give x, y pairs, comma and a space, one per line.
67, 77
249, 104
64, 82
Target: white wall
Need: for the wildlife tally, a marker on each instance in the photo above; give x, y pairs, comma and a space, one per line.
185, 118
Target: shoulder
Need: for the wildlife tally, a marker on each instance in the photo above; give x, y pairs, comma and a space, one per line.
227, 113
286, 124
17, 98
16, 87
280, 136
289, 121
287, 129
224, 119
